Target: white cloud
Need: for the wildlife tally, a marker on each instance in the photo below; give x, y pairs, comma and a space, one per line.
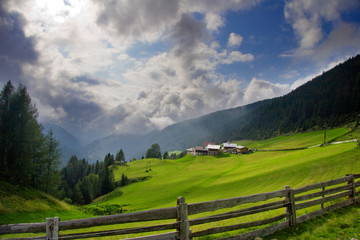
234, 40
213, 21
80, 80
308, 18
259, 89
236, 56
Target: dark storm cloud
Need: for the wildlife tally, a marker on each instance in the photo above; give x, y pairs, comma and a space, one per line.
188, 32
15, 48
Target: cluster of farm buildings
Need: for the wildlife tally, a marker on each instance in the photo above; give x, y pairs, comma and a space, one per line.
210, 148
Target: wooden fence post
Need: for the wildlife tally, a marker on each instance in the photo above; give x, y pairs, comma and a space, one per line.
52, 228
182, 218
322, 190
353, 190
290, 208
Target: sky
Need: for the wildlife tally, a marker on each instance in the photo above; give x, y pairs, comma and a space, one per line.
132, 66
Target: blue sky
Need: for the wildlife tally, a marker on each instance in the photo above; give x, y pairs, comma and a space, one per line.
132, 66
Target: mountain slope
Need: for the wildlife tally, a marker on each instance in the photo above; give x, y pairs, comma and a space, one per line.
332, 99
216, 127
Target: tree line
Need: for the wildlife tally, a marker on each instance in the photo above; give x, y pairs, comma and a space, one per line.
27, 157
30, 158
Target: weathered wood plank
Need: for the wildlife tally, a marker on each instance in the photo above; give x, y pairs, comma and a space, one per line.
290, 209
23, 228
259, 232
150, 215
322, 184
237, 226
195, 208
321, 193
324, 210
164, 236
357, 183
182, 218
357, 193
355, 175
299, 206
238, 213
121, 231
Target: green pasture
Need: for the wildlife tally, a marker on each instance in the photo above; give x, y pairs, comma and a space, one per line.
206, 178
299, 140
21, 205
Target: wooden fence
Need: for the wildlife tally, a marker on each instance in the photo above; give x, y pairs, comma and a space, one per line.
272, 214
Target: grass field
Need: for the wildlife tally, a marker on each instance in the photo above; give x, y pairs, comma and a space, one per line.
300, 140
20, 205
206, 178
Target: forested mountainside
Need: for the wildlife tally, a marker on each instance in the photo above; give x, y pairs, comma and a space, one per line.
331, 99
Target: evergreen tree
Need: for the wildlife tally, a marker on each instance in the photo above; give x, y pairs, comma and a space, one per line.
51, 164
5, 123
21, 136
120, 156
77, 195
107, 181
166, 155
154, 151
109, 160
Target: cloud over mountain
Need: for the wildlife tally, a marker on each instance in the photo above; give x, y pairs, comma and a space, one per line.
132, 66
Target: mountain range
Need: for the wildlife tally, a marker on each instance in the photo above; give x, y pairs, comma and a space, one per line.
330, 99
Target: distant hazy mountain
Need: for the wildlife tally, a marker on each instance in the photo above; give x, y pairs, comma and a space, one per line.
216, 127
69, 144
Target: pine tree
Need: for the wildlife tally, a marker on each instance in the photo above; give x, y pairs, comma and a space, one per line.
120, 156
5, 123
51, 163
21, 136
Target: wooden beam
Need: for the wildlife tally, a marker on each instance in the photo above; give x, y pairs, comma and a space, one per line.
121, 231
322, 184
299, 206
150, 215
195, 208
323, 192
238, 213
237, 226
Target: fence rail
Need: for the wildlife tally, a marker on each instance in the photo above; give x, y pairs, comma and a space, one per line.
335, 193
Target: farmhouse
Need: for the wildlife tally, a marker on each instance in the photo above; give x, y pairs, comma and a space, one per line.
230, 147
198, 150
214, 150
242, 149
210, 148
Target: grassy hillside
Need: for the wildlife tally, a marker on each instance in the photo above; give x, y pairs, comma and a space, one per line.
205, 178
299, 140
20, 205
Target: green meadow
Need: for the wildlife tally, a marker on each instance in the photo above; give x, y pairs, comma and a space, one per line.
206, 178
300, 140
21, 205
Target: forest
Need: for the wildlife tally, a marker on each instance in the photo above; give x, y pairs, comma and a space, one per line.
30, 158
